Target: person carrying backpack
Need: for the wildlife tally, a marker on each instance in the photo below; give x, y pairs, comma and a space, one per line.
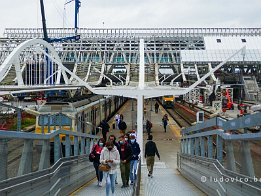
95, 155
122, 126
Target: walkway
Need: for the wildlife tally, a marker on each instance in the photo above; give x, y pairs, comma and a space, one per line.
166, 180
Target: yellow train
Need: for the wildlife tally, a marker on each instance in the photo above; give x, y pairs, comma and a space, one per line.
168, 101
82, 115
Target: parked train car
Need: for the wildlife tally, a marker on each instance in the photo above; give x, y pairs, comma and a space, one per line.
168, 101
82, 115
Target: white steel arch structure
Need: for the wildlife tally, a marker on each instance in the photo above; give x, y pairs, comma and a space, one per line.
32, 66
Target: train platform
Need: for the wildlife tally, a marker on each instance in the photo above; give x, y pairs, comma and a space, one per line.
166, 180
228, 114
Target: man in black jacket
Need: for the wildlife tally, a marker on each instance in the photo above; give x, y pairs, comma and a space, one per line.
150, 151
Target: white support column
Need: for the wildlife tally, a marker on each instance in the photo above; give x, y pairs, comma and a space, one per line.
182, 72
59, 74
212, 75
140, 100
18, 72
142, 66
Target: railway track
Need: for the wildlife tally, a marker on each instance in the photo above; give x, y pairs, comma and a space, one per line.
186, 117
195, 109
180, 120
15, 148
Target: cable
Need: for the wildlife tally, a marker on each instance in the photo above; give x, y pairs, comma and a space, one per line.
56, 5
65, 19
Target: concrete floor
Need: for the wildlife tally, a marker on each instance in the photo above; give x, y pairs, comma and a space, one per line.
166, 181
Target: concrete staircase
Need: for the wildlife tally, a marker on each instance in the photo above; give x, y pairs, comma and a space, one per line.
149, 73
251, 88
82, 70
11, 75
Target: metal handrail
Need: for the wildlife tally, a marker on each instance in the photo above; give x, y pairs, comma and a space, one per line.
56, 180
136, 186
242, 122
46, 136
218, 172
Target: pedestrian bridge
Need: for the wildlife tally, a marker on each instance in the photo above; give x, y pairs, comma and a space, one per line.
214, 158
202, 159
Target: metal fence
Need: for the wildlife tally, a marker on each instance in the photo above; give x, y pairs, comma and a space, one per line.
210, 147
136, 186
71, 167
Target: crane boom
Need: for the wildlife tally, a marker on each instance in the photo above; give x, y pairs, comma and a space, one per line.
77, 7
50, 40
44, 21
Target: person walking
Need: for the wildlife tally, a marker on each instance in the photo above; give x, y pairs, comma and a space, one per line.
96, 152
148, 126
122, 127
156, 107
117, 120
105, 129
110, 155
112, 138
150, 151
125, 156
127, 137
165, 120
135, 148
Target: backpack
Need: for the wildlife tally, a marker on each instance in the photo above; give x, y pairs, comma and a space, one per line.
92, 155
122, 125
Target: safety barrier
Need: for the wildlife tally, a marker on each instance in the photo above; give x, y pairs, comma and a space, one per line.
212, 178
71, 167
207, 148
62, 178
136, 186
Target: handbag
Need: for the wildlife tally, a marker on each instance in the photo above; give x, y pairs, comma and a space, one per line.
104, 167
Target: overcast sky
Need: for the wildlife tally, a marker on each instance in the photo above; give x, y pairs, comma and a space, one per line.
133, 13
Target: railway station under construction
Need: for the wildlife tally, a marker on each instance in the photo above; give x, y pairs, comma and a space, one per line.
214, 73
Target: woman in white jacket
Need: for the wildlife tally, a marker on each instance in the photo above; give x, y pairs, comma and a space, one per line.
110, 155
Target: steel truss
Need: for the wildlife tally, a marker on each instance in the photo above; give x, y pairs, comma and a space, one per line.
120, 48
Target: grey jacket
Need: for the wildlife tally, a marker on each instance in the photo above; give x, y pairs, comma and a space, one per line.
110, 155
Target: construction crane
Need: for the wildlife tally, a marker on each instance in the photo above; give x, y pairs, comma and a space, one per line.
62, 39
70, 38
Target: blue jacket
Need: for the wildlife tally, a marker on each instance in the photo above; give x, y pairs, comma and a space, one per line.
135, 148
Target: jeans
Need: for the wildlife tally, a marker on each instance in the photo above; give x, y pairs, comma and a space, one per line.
110, 183
165, 125
99, 174
133, 169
